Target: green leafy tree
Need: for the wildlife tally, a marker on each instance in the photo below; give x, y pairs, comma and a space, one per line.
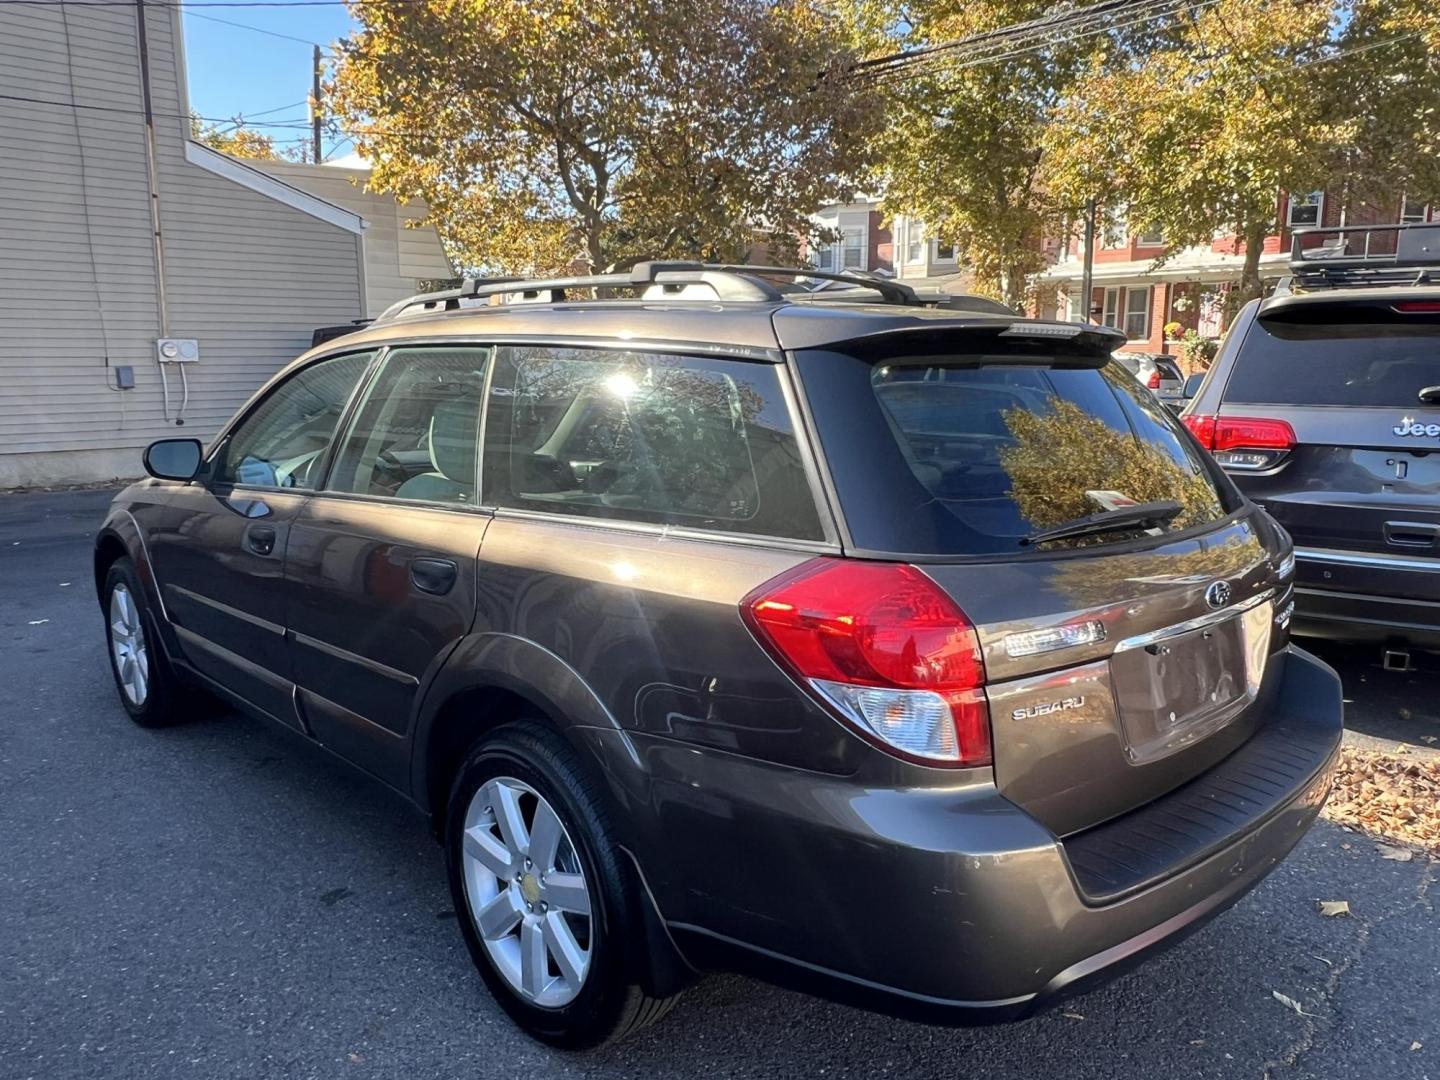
1198, 124
546, 133
962, 150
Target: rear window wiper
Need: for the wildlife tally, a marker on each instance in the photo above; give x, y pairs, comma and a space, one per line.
1141, 515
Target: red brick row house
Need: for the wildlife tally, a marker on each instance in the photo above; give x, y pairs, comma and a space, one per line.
1134, 294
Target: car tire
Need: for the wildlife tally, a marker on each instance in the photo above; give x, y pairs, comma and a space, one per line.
526, 767
148, 687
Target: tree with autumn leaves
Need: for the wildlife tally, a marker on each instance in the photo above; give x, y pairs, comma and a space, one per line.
549, 133
546, 134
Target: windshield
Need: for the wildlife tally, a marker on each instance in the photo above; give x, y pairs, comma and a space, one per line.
982, 453
1374, 364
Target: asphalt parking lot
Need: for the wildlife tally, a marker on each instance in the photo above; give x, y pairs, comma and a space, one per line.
222, 900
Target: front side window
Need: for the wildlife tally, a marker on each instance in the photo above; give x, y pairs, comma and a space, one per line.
282, 442
417, 431
1304, 210
647, 437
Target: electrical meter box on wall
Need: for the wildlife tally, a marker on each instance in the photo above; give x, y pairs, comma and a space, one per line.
173, 350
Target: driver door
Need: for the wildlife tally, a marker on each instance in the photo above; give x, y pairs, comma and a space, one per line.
219, 545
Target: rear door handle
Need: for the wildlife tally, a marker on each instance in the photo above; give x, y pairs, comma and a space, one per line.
260, 539
434, 576
1411, 534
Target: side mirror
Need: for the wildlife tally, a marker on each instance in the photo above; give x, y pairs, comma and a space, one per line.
173, 459
1192, 384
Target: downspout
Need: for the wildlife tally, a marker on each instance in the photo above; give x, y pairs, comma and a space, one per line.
153, 183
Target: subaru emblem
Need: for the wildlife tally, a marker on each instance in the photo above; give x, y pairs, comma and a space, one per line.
1218, 594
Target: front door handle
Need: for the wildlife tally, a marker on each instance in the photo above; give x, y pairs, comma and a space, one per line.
260, 539
434, 576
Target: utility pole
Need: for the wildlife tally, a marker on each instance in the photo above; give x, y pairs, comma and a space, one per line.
1087, 276
315, 109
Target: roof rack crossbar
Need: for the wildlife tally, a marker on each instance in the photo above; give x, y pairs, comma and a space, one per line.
728, 281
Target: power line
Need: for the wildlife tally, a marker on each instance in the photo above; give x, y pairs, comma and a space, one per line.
247, 26
916, 64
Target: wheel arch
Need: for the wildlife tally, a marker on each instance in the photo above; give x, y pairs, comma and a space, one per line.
489, 679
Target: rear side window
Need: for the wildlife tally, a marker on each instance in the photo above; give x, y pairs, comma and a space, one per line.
973, 455
1354, 364
648, 437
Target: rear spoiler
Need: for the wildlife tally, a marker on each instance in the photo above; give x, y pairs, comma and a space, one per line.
1055, 344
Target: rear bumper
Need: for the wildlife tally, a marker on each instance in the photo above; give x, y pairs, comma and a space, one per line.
957, 907
1358, 596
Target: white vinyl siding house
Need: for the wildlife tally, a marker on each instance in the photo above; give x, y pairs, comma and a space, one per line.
399, 253
248, 266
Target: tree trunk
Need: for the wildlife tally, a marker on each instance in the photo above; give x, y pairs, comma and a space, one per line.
1250, 285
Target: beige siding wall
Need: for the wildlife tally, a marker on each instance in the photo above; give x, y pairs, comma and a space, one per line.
398, 254
246, 275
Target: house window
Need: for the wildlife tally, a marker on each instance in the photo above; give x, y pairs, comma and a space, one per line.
1413, 213
1111, 313
914, 242
824, 256
1137, 313
1112, 229
1304, 209
852, 249
944, 252
1151, 238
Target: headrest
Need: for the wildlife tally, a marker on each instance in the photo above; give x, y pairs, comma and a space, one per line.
454, 432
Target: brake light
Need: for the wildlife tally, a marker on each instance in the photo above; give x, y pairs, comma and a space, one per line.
885, 649
1243, 442
1418, 307
1154, 382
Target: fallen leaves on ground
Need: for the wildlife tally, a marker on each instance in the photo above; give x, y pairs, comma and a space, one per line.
1331, 908
1390, 797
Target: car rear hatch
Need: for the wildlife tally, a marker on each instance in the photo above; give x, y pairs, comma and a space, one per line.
1331, 419
1119, 663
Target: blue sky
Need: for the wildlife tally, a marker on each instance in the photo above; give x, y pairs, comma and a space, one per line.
239, 71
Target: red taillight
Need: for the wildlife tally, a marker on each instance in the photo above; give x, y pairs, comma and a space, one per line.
886, 649
1154, 383
1243, 442
1418, 307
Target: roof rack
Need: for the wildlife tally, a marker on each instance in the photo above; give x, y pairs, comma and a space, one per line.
728, 281
1361, 255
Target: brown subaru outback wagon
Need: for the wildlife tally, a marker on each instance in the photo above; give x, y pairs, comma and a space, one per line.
912, 655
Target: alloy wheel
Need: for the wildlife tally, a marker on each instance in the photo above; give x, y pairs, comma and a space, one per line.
127, 646
527, 893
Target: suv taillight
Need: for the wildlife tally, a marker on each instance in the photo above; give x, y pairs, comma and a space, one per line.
1154, 383
885, 649
1243, 442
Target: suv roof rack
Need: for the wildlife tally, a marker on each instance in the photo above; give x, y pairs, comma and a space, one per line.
1347, 256
728, 281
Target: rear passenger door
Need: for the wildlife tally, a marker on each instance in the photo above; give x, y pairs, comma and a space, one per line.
381, 562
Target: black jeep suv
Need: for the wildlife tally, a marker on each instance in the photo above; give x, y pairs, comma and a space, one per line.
1324, 407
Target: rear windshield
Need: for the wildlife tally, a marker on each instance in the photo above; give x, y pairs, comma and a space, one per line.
975, 455
1355, 364
1168, 369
